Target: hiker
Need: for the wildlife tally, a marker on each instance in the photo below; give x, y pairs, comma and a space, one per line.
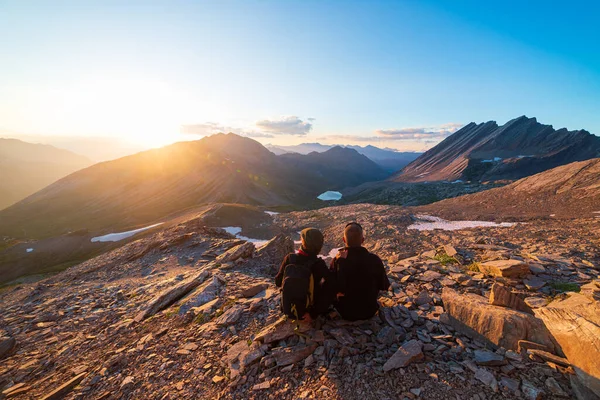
306, 282
360, 277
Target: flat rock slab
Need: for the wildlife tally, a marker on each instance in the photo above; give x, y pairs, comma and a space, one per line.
502, 296
244, 250
409, 352
230, 316
575, 325
291, 355
62, 391
429, 276
488, 358
505, 268
280, 330
254, 290
499, 326
201, 295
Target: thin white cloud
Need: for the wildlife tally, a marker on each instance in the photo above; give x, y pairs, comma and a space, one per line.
291, 125
420, 134
205, 129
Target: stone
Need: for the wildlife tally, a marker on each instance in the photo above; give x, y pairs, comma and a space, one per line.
498, 326
201, 295
525, 345
291, 355
530, 391
64, 389
244, 250
231, 316
488, 358
575, 325
171, 295
423, 298
544, 355
261, 386
534, 283
241, 355
254, 290
387, 335
580, 391
280, 330
554, 387
429, 276
505, 268
510, 384
536, 302
409, 352
487, 378
449, 250
7, 343
127, 383
500, 295
342, 336
537, 269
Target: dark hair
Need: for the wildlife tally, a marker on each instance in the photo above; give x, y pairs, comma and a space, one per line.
353, 233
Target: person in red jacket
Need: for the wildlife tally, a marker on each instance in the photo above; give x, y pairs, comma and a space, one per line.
360, 277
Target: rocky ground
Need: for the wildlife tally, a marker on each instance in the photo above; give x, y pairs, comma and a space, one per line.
192, 312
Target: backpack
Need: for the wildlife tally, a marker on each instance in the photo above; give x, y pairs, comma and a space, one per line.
297, 288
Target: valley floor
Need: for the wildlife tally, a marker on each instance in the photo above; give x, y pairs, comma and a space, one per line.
102, 330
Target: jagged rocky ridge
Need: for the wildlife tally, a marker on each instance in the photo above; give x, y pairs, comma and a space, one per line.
117, 326
486, 151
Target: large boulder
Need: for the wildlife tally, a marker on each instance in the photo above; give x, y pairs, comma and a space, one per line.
505, 268
269, 256
244, 250
7, 343
499, 326
575, 325
202, 295
502, 296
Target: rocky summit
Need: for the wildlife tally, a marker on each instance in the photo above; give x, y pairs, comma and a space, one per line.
191, 311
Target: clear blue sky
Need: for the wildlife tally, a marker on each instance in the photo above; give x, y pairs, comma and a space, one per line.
295, 71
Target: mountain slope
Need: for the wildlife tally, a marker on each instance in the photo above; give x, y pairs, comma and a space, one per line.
150, 185
346, 167
569, 191
388, 159
486, 151
26, 168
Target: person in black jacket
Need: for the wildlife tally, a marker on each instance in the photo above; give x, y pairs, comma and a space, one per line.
360, 277
324, 287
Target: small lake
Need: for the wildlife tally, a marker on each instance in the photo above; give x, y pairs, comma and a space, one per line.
329, 196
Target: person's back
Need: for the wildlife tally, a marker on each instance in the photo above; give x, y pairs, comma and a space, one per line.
360, 277
322, 285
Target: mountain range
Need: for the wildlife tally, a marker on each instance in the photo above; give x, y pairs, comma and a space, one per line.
223, 168
389, 159
486, 151
26, 168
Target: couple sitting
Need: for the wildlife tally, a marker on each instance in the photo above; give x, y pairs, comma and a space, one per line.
351, 284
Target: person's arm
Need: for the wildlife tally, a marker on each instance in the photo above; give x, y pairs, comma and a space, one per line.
279, 276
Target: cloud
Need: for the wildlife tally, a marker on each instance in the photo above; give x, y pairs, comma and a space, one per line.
256, 135
420, 134
285, 126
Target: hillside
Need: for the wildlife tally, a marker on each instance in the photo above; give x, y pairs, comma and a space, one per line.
484, 152
153, 184
342, 165
568, 191
26, 168
191, 312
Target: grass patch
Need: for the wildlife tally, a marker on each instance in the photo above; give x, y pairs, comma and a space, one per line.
565, 287
474, 266
201, 318
444, 259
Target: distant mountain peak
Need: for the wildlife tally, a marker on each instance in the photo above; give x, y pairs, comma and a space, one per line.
481, 152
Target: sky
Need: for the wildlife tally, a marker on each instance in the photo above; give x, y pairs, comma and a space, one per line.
106, 77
